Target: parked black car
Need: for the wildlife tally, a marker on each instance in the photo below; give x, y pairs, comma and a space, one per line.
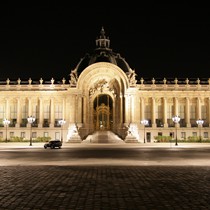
53, 144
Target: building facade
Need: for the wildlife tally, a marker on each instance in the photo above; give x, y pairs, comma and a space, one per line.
103, 94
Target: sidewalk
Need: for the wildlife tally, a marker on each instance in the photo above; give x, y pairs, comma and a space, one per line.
104, 188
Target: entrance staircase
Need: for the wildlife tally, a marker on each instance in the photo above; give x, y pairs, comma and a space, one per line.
104, 137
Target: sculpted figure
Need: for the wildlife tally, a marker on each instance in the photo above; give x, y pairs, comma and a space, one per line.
74, 77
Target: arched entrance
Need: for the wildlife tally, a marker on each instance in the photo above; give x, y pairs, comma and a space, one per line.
102, 88
103, 112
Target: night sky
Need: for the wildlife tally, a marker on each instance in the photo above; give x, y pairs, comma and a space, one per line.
48, 40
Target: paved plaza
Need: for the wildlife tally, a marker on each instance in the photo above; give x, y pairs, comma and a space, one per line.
104, 187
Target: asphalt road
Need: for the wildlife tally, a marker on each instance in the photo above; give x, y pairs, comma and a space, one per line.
103, 154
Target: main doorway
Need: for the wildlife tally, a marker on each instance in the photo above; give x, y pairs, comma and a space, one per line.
103, 112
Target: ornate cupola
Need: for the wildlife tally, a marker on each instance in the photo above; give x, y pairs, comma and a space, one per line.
102, 53
102, 41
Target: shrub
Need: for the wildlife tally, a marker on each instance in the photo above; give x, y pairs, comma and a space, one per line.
163, 138
42, 139
194, 138
16, 139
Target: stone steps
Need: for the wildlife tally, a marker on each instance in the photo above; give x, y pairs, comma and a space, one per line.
103, 137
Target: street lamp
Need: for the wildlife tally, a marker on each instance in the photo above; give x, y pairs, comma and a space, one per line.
6, 123
61, 123
200, 123
144, 122
31, 120
176, 120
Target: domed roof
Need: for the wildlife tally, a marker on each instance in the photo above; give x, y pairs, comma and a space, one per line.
102, 53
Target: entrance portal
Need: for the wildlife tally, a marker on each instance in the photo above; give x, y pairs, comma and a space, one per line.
103, 112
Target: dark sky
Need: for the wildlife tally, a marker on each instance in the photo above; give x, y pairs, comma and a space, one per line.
47, 40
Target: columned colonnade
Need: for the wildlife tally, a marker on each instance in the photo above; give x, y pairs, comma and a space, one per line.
188, 108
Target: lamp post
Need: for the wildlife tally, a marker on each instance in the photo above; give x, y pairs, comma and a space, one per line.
200, 123
61, 123
6, 123
31, 120
144, 122
176, 120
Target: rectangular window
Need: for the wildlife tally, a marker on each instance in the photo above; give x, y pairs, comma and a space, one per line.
13, 111
11, 134
193, 116
182, 111
46, 111
2, 111
57, 135
203, 112
206, 135
23, 135
170, 115
159, 112
194, 134
13, 115
24, 111
34, 135
170, 111
58, 114
24, 122
183, 135
147, 112
58, 111
46, 134
192, 112
35, 112
159, 115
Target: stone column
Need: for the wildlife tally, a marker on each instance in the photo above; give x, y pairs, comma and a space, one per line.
127, 108
29, 107
40, 123
142, 104
52, 113
176, 111
84, 110
7, 116
198, 109
18, 113
176, 106
187, 113
79, 109
165, 123
114, 113
91, 121
153, 112
69, 108
135, 109
121, 108
64, 108
117, 101
29, 110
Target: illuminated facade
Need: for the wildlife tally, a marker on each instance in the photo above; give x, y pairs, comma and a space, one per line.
103, 94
